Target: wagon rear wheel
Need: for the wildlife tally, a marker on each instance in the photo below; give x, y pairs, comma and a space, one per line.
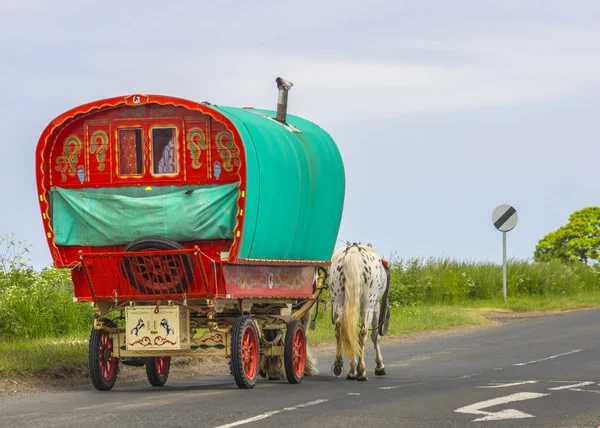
103, 368
157, 370
244, 352
294, 357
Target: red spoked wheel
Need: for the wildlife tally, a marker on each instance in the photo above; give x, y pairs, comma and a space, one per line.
294, 353
244, 352
157, 370
103, 367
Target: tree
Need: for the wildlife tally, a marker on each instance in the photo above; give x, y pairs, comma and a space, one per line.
578, 240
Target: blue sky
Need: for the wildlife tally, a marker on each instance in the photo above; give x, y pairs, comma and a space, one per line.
442, 110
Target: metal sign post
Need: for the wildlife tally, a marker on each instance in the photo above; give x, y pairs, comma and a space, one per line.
504, 219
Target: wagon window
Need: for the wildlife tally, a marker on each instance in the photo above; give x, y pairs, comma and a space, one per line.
164, 151
130, 151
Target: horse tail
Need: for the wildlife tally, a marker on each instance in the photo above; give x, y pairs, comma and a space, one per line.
352, 270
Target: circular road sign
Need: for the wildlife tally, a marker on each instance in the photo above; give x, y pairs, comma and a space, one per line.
505, 218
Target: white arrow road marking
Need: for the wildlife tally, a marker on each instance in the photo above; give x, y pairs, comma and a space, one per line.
549, 358
274, 412
505, 385
575, 385
475, 409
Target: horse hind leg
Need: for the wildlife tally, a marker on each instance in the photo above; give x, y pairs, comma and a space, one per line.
362, 338
375, 337
352, 374
338, 365
361, 370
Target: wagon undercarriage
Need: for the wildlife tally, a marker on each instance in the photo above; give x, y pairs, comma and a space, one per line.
149, 333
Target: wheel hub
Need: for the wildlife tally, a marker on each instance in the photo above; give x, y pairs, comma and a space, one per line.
106, 354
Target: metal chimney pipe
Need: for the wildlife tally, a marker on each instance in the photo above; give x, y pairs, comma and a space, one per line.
284, 86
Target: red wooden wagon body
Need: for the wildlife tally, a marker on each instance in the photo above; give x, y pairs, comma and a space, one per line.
208, 211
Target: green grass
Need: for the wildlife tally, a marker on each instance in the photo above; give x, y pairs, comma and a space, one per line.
537, 303
43, 356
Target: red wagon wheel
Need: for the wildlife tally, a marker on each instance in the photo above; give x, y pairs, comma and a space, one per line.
103, 367
244, 352
294, 354
157, 370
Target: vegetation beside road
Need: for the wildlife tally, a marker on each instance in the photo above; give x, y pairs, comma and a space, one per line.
43, 332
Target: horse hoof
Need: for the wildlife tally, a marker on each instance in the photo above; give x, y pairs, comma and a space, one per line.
380, 372
337, 371
350, 377
362, 378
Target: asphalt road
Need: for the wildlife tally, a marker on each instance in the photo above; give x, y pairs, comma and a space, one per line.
541, 372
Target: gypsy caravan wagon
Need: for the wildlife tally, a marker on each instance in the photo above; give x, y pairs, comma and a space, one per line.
200, 225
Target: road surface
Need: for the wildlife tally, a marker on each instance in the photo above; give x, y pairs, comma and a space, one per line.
541, 372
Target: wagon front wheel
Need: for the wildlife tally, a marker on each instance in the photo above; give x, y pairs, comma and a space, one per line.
157, 370
294, 357
244, 352
103, 367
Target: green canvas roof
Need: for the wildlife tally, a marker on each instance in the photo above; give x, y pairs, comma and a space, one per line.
295, 187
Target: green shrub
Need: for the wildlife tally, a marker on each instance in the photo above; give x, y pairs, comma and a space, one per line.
37, 304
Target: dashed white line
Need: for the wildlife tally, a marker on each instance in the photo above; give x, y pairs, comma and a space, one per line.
466, 376
549, 358
506, 385
96, 406
576, 385
389, 387
354, 393
585, 390
271, 413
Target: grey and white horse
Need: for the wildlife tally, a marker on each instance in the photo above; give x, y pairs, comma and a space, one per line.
358, 281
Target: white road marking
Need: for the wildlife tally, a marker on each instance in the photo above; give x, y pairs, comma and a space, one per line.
576, 385
95, 406
585, 390
506, 385
466, 376
549, 358
354, 393
475, 409
271, 413
499, 368
403, 386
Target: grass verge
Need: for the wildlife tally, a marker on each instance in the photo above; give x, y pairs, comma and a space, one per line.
64, 358
56, 358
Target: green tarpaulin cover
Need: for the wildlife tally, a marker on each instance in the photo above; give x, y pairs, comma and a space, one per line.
117, 216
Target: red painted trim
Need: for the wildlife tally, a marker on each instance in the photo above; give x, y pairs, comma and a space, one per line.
43, 155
